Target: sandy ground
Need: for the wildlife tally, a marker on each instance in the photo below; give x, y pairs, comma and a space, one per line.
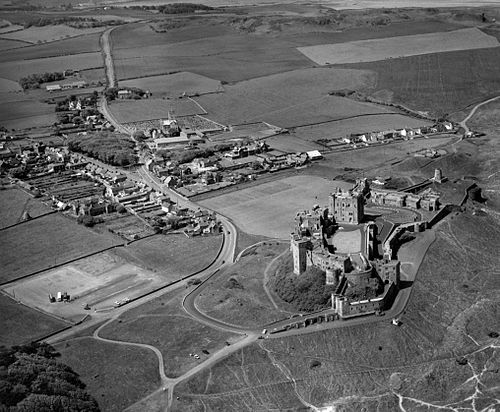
269, 209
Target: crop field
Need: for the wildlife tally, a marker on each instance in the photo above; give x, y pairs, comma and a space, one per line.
163, 323
13, 204
401, 46
375, 366
231, 57
25, 114
175, 85
21, 324
116, 375
14, 70
237, 296
166, 254
45, 242
75, 45
49, 33
98, 281
126, 111
10, 44
269, 208
291, 99
364, 124
437, 83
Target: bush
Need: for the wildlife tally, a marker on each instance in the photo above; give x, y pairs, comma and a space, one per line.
85, 220
232, 283
314, 363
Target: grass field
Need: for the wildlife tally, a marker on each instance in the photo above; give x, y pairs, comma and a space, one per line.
115, 375
98, 281
348, 241
163, 324
174, 85
6, 44
166, 254
291, 99
49, 33
13, 204
269, 208
45, 242
237, 296
7, 86
126, 111
228, 57
14, 70
21, 324
82, 44
25, 114
378, 366
93, 75
437, 83
401, 46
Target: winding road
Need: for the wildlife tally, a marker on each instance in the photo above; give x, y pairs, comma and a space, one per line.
463, 123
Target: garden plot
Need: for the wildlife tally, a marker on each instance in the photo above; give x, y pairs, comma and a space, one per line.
401, 46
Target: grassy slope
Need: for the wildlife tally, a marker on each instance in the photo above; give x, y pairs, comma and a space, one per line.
21, 324
116, 376
163, 324
456, 294
249, 305
41, 243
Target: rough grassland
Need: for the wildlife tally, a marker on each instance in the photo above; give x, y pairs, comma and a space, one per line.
115, 375
437, 83
49, 33
20, 324
452, 309
44, 242
401, 46
268, 209
173, 256
126, 111
82, 44
14, 70
174, 85
13, 204
244, 303
163, 324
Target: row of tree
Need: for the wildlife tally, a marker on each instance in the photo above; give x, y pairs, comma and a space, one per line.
33, 81
31, 380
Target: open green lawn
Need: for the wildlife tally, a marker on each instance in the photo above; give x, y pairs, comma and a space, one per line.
20, 324
116, 376
45, 242
163, 324
13, 204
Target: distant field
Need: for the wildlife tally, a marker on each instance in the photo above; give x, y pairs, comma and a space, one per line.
14, 202
437, 83
401, 46
126, 111
166, 254
75, 45
9, 86
14, 70
269, 209
292, 143
115, 375
21, 324
25, 114
10, 44
49, 33
229, 57
174, 85
291, 99
44, 242
163, 323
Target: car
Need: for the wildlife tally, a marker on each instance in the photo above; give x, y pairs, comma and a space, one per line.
196, 356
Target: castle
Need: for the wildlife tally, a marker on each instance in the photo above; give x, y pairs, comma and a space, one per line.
312, 244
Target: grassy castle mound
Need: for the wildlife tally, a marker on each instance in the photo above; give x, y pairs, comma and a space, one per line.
307, 292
